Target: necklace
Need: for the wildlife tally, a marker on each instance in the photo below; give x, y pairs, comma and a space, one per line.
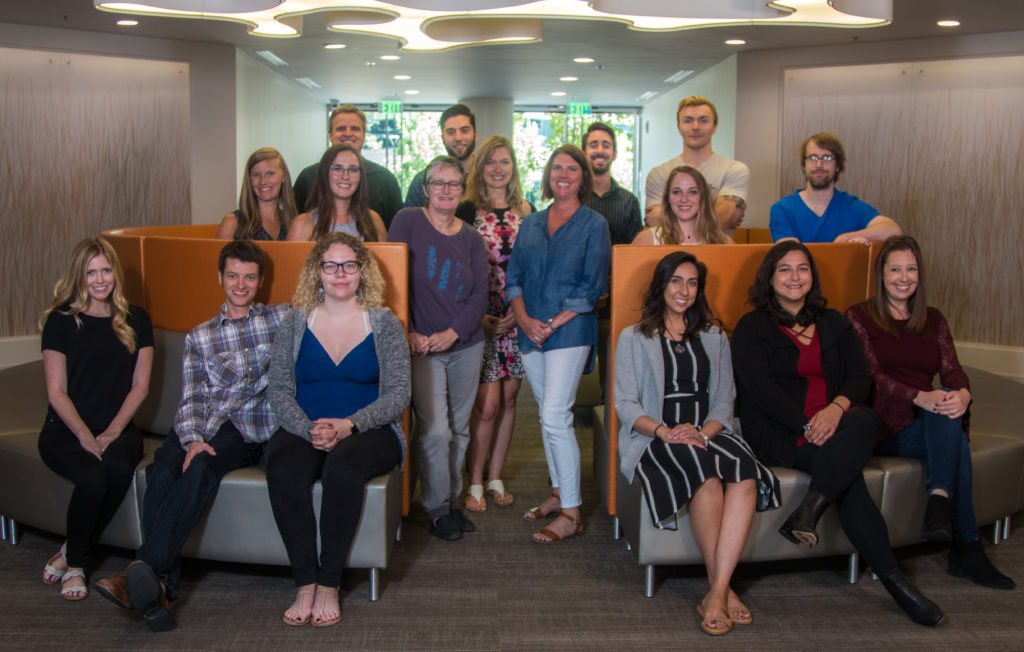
679, 346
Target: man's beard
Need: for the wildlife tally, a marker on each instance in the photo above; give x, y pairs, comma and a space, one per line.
469, 151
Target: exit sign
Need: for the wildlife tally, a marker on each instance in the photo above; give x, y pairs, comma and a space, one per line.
390, 107
579, 108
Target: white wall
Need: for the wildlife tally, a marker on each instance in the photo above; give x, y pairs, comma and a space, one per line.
659, 136
272, 111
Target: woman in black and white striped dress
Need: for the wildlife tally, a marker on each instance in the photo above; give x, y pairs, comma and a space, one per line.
674, 395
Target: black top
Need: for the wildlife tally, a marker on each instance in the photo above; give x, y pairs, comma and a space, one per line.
687, 374
262, 234
99, 367
622, 210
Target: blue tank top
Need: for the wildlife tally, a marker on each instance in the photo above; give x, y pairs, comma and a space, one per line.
326, 390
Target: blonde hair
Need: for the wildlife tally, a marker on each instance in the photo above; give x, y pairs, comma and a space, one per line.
476, 189
371, 282
249, 224
71, 289
709, 229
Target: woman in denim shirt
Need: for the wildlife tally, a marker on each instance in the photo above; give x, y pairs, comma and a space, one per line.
558, 269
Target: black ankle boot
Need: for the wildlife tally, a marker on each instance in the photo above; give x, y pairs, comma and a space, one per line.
968, 559
799, 527
936, 519
910, 599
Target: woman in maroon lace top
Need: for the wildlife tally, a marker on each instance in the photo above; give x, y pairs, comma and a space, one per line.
907, 343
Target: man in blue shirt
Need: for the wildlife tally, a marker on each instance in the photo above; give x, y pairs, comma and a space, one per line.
819, 212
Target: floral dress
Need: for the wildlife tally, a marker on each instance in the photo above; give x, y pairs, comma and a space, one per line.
501, 354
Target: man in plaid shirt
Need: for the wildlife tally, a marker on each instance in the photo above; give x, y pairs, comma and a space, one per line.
221, 424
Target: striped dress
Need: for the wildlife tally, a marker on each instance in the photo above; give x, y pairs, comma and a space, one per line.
671, 473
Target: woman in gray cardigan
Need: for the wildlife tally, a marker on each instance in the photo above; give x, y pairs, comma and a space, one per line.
674, 396
338, 384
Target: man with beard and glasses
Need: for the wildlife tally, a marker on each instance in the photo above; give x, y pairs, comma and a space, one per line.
697, 122
819, 212
458, 131
619, 206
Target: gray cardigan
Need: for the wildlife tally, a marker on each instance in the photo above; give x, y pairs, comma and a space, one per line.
640, 388
392, 356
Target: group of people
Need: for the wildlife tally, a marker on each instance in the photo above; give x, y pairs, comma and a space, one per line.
499, 291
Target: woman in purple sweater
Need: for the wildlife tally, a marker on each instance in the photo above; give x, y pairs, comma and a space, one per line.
907, 343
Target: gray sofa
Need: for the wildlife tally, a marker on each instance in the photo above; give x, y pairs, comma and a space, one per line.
896, 484
238, 527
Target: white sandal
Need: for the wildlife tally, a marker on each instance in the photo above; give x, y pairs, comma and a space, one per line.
498, 493
73, 592
52, 575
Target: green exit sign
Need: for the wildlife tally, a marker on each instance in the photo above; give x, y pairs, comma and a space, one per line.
579, 108
390, 107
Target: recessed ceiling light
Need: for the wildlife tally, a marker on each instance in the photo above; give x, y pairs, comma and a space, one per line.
334, 46
402, 77
557, 93
412, 92
948, 23
127, 23
583, 60
272, 58
735, 41
568, 79
389, 57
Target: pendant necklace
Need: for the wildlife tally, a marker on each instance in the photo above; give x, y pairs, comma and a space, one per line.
678, 347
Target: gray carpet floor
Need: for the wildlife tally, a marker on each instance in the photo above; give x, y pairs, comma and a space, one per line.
496, 590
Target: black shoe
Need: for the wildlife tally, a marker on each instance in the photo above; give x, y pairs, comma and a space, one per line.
799, 527
146, 595
463, 523
445, 528
910, 599
936, 519
968, 559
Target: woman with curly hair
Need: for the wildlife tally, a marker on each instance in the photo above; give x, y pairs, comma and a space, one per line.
494, 205
688, 213
338, 384
339, 198
97, 356
266, 204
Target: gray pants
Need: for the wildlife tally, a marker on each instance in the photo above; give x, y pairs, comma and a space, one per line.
444, 389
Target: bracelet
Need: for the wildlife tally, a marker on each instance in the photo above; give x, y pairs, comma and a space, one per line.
833, 402
701, 433
551, 325
656, 429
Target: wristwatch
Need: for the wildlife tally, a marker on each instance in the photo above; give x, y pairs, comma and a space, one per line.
551, 324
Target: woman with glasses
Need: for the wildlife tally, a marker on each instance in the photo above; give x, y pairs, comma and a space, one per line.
266, 205
338, 384
339, 200
495, 206
559, 268
448, 287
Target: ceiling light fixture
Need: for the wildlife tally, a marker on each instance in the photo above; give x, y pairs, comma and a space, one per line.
568, 79
583, 60
389, 57
678, 77
272, 58
334, 46
307, 82
412, 92
401, 77
735, 41
558, 93
948, 23
127, 23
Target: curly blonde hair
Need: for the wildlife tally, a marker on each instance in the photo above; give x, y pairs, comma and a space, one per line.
71, 289
371, 282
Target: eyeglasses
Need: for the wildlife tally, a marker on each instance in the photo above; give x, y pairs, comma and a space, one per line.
824, 158
437, 184
331, 268
351, 170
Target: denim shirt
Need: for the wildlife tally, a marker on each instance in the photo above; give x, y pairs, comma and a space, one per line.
567, 271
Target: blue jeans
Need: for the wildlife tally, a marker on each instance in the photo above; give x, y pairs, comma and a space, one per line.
941, 444
175, 501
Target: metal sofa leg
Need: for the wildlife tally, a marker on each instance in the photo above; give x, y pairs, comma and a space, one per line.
12, 532
996, 527
398, 532
3, 528
649, 581
854, 560
374, 584
616, 530
1006, 528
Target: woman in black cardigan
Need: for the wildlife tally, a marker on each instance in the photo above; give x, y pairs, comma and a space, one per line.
802, 383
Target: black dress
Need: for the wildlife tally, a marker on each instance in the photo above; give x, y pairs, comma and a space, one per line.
670, 474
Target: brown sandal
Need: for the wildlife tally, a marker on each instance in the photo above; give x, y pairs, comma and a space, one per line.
741, 609
318, 620
552, 536
706, 621
298, 622
536, 514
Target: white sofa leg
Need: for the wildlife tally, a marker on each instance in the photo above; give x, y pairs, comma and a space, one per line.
374, 584
616, 530
649, 581
854, 559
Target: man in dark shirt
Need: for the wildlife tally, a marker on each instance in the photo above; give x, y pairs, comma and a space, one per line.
221, 424
347, 124
619, 206
458, 132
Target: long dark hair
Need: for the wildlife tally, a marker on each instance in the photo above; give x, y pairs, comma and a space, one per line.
877, 306
322, 198
697, 317
762, 295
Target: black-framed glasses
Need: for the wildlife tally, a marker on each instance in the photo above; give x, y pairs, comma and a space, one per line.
437, 184
351, 170
824, 158
331, 268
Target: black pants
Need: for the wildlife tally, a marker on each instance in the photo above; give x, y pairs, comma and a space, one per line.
100, 485
293, 466
836, 470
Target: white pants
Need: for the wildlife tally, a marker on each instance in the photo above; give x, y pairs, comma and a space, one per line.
555, 377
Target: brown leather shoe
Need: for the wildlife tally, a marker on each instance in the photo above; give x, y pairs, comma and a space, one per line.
115, 589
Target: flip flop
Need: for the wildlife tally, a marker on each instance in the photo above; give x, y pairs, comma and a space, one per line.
475, 501
332, 621
741, 609
298, 622
498, 493
706, 621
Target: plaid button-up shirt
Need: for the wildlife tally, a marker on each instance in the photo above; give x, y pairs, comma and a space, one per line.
224, 375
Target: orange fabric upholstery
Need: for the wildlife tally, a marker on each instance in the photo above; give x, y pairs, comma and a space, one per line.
842, 270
